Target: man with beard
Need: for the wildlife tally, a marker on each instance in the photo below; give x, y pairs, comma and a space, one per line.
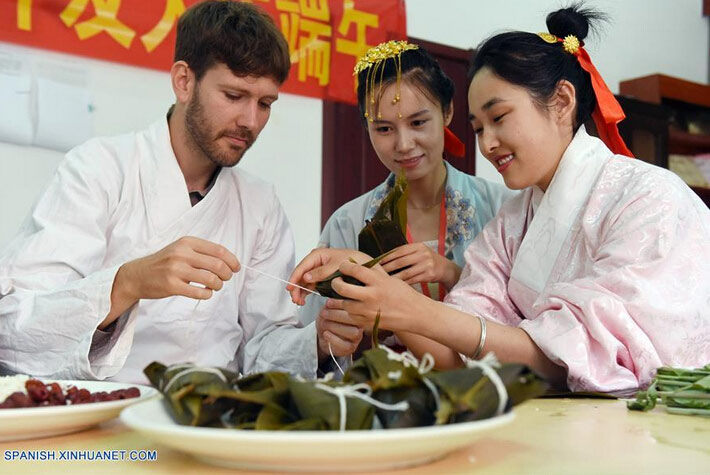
134, 252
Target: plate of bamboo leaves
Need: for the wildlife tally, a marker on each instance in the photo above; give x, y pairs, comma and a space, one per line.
388, 412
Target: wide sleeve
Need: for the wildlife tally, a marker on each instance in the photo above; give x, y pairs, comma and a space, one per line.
642, 303
53, 291
483, 286
273, 338
343, 227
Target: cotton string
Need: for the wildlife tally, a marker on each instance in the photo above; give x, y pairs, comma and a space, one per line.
192, 370
487, 364
426, 365
341, 392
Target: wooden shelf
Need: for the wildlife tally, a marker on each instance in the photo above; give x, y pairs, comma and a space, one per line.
686, 143
652, 129
657, 87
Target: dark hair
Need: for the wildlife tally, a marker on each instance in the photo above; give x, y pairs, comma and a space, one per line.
419, 68
526, 60
239, 35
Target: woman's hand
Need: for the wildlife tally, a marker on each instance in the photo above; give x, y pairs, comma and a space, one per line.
318, 265
401, 307
421, 264
336, 331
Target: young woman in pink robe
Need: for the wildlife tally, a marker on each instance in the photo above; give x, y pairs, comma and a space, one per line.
599, 272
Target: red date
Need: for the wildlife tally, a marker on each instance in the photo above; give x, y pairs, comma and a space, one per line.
42, 394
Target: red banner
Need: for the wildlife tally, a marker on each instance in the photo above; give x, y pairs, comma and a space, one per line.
325, 36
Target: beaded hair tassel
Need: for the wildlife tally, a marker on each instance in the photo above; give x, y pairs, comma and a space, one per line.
374, 61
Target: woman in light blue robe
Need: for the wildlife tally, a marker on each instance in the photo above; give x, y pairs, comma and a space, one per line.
446, 208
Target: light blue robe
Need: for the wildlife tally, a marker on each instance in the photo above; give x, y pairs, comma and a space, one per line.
470, 203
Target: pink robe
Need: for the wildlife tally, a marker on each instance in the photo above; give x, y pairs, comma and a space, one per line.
608, 271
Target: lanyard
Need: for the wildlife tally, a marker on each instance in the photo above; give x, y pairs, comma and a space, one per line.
441, 245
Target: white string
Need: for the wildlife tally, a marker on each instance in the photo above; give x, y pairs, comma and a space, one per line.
335, 360
341, 392
424, 366
434, 391
408, 359
192, 370
173, 367
487, 365
244, 266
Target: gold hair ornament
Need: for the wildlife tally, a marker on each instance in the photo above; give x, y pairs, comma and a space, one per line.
374, 61
548, 37
570, 43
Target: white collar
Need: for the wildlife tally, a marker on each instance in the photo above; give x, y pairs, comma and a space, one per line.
558, 209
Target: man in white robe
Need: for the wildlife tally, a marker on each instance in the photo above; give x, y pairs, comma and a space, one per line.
121, 263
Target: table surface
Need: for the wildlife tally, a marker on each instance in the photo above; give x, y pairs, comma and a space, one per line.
565, 435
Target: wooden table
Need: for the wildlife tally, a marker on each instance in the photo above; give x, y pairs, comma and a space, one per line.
566, 436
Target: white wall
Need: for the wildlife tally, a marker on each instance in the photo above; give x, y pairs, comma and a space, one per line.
645, 37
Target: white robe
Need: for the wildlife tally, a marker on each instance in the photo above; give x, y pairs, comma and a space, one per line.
113, 200
608, 271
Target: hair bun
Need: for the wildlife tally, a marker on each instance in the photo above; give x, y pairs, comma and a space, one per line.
573, 20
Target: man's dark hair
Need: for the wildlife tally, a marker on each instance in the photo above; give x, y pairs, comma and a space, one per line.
240, 35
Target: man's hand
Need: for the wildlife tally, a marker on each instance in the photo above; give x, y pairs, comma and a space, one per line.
170, 272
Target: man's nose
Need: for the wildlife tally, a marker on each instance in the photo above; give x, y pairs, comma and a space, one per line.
249, 116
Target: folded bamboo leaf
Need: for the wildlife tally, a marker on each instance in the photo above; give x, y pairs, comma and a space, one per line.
180, 383
315, 403
474, 397
273, 417
422, 407
387, 228
380, 372
378, 237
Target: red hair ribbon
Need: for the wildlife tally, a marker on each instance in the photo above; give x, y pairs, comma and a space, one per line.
452, 144
608, 112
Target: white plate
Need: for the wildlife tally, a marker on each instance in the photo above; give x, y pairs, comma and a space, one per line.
35, 422
307, 450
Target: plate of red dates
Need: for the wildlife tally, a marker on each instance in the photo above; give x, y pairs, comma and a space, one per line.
33, 408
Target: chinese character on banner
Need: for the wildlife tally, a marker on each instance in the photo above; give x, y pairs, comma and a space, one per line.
24, 15
173, 10
361, 20
104, 20
325, 37
306, 26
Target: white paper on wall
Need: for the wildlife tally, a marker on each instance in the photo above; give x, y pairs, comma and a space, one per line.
63, 115
64, 118
16, 124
